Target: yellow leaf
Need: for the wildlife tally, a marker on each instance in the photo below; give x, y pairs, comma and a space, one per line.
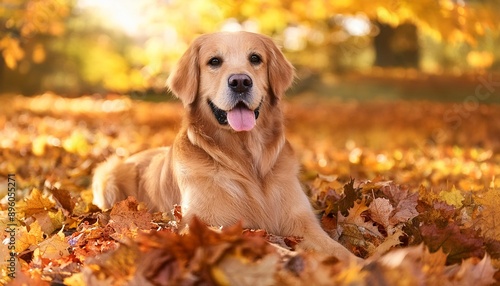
75, 280
35, 203
26, 239
53, 248
488, 221
452, 197
390, 242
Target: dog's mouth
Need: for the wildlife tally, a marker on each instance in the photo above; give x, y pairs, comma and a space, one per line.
240, 117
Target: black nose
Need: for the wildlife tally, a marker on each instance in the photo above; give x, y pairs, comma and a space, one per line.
239, 82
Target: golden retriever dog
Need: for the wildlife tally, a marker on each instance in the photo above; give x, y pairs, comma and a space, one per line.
230, 161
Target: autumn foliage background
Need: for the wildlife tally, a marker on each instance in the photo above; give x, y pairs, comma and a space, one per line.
394, 117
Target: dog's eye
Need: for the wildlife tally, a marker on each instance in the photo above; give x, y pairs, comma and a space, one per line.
215, 62
255, 59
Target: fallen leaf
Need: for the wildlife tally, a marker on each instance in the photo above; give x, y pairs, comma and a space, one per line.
457, 243
128, 218
50, 221
237, 270
380, 211
26, 239
64, 199
54, 247
452, 197
490, 212
356, 219
36, 202
473, 271
391, 241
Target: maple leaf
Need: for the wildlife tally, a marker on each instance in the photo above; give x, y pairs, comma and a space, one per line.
355, 218
350, 196
389, 242
26, 239
405, 203
355, 232
488, 220
52, 248
458, 243
36, 202
128, 217
452, 197
91, 239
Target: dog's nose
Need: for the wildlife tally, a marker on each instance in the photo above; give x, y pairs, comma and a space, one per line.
239, 82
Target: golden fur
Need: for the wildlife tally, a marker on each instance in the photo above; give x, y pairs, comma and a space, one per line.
214, 172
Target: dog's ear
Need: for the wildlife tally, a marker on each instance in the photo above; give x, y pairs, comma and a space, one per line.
184, 79
280, 71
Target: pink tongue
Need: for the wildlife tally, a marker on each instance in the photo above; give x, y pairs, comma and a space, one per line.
241, 119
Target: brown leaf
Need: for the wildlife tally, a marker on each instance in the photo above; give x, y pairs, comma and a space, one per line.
457, 243
380, 211
64, 199
405, 203
350, 196
167, 258
128, 218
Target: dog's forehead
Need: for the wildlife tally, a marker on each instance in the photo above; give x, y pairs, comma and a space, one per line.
231, 44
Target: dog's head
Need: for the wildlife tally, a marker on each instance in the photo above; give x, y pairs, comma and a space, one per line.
230, 76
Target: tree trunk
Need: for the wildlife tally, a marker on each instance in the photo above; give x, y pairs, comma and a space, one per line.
397, 47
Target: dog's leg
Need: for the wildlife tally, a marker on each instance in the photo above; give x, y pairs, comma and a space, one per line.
300, 220
317, 239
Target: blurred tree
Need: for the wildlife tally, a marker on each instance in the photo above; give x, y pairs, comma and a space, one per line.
64, 49
21, 20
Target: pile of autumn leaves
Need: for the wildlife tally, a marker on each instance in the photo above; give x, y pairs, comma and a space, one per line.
407, 235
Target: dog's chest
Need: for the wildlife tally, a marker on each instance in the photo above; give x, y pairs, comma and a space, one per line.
224, 201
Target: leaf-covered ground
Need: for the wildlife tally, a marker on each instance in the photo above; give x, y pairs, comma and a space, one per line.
412, 187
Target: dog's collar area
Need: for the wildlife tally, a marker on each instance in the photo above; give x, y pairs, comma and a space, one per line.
221, 115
